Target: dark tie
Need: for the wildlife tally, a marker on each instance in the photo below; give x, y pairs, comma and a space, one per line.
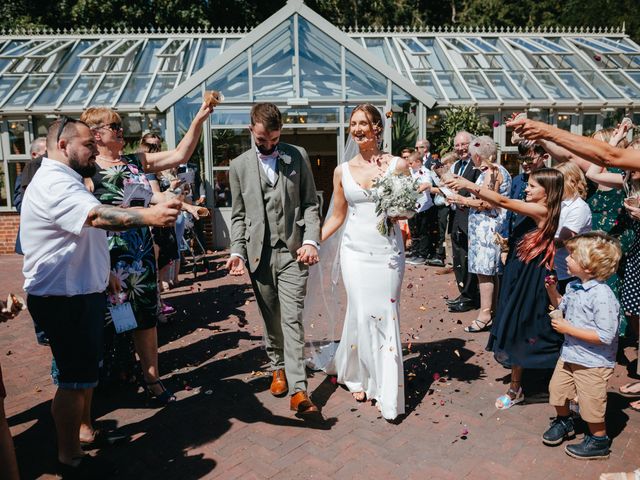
463, 165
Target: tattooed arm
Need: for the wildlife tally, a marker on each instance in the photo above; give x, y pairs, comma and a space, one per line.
113, 218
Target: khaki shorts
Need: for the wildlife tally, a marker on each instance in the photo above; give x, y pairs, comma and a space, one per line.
589, 384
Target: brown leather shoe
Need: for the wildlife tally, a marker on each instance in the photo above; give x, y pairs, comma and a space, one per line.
279, 386
301, 403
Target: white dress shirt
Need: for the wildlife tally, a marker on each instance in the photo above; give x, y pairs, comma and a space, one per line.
575, 215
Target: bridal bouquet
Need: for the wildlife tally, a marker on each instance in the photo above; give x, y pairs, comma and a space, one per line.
395, 196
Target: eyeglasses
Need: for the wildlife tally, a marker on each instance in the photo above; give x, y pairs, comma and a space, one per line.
460, 145
114, 127
64, 121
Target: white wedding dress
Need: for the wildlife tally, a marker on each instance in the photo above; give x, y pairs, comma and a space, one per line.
369, 356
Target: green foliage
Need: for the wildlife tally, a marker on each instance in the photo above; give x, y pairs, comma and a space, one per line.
453, 120
344, 13
403, 132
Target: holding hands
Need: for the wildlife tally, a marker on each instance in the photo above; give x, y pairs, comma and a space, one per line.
307, 254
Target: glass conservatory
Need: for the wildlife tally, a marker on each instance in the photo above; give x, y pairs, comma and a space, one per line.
579, 80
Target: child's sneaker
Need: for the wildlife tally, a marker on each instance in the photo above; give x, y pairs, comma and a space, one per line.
561, 429
591, 448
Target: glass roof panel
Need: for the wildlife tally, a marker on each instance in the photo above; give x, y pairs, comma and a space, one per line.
635, 76
52, 92
96, 49
501, 83
81, 90
527, 46
437, 59
552, 45
478, 86
210, 48
25, 92
552, 86
6, 84
232, 79
619, 80
483, 45
620, 44
126, 47
594, 45
600, 84
163, 84
526, 83
378, 47
273, 58
426, 81
574, 83
320, 70
136, 88
173, 47
21, 48
414, 46
452, 86
362, 80
459, 45
149, 56
109, 88
73, 60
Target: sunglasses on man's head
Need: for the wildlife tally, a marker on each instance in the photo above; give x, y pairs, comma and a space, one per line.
64, 121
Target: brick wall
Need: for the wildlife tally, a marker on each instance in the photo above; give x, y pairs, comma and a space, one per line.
9, 222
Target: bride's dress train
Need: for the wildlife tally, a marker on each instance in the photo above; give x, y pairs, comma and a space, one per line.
369, 356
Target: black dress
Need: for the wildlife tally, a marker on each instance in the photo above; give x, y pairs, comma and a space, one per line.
521, 334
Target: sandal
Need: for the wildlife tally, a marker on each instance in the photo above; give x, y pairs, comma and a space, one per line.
505, 401
635, 475
103, 438
473, 328
627, 390
635, 406
359, 398
164, 398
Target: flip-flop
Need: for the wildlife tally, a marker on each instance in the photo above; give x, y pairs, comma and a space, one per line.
102, 439
633, 407
624, 390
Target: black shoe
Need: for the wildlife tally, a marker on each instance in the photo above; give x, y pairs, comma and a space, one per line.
463, 307
417, 260
590, 448
458, 299
561, 429
89, 468
435, 262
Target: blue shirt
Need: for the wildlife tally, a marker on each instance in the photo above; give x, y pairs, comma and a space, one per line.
593, 306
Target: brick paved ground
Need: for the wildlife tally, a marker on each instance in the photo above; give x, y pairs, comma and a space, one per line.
226, 424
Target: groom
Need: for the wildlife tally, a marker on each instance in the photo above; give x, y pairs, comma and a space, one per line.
275, 228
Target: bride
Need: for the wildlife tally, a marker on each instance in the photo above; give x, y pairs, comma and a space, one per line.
368, 360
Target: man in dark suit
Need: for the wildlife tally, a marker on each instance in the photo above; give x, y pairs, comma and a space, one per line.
467, 282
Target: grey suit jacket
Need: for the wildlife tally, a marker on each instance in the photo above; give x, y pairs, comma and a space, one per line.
248, 216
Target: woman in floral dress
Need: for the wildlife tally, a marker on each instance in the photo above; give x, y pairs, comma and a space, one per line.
131, 251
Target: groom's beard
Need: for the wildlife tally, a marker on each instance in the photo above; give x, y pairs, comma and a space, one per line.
265, 151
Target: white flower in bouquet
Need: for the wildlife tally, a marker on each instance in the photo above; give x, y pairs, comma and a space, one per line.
395, 196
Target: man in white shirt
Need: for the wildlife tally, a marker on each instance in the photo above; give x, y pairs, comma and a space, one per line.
66, 270
419, 224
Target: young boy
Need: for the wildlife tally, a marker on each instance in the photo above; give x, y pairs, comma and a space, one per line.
590, 328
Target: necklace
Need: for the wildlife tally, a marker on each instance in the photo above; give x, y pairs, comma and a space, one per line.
105, 159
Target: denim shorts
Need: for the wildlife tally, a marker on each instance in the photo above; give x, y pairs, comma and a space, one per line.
74, 326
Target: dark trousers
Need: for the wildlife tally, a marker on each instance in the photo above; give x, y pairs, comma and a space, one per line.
421, 226
444, 217
467, 282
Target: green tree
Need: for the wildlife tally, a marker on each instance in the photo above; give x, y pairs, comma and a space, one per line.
453, 120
